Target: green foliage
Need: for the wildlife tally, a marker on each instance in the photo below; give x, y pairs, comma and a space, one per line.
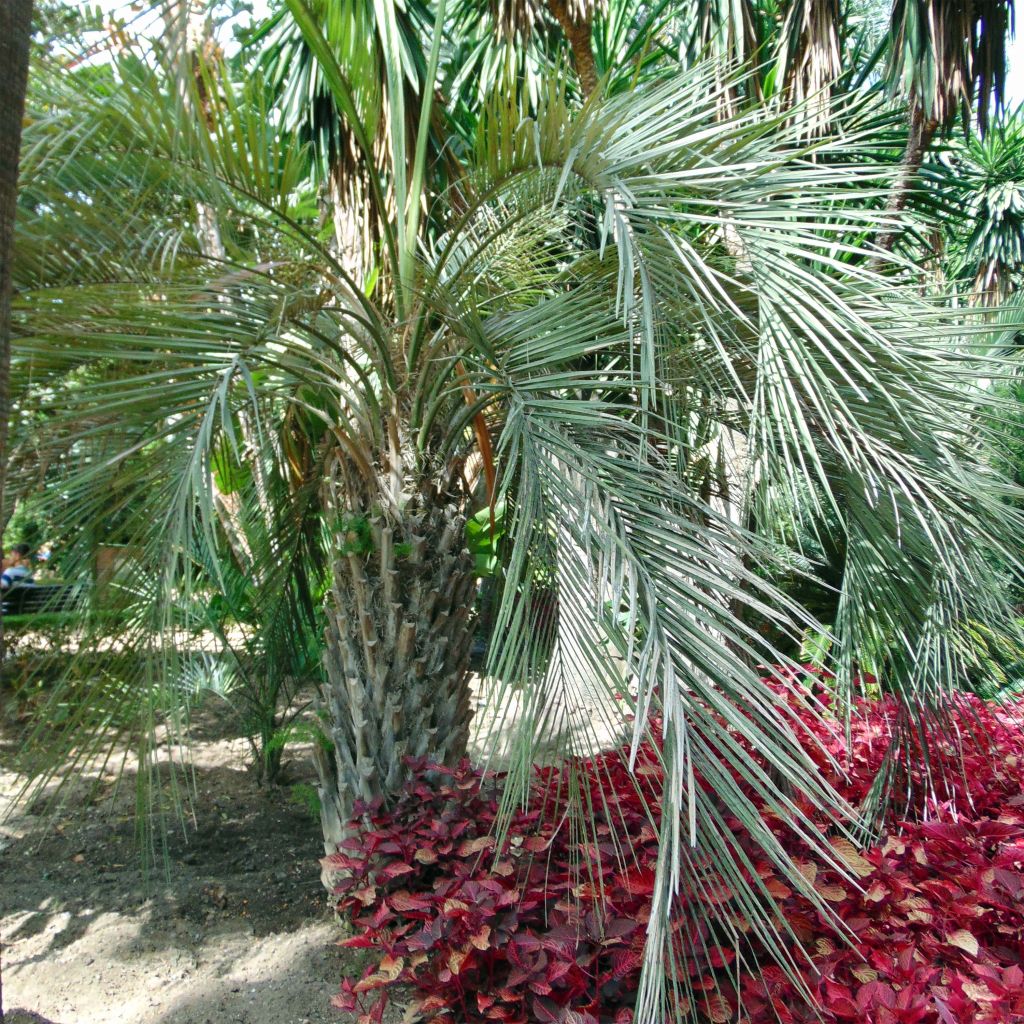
995, 659
353, 535
24, 527
815, 647
60, 26
229, 474
979, 184
298, 732
665, 309
307, 797
484, 534
950, 59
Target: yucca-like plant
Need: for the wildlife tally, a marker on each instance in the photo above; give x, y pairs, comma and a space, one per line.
980, 184
548, 332
945, 59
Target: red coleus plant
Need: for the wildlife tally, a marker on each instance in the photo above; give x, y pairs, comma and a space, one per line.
550, 926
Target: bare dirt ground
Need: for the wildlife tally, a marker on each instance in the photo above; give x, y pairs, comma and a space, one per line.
232, 926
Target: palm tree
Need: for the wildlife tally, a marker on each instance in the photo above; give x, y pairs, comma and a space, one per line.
15, 26
548, 332
946, 59
381, 50
485, 41
809, 62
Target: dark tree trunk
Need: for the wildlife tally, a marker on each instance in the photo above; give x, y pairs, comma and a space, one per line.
577, 29
919, 141
398, 643
15, 29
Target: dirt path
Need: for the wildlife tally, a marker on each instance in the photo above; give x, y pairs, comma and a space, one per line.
238, 930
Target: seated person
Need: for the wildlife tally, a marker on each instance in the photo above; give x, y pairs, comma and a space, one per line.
17, 567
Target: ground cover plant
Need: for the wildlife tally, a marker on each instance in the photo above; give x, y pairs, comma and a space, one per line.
545, 922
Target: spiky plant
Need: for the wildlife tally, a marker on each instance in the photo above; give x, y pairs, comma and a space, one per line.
981, 185
949, 59
946, 59
549, 331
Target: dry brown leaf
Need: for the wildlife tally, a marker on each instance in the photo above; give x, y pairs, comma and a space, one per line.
964, 940
850, 856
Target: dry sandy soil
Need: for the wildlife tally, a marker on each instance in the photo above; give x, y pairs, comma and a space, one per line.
233, 926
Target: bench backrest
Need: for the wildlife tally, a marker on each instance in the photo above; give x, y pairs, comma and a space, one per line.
30, 598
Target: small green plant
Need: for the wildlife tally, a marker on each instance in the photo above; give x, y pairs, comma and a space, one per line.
995, 660
307, 797
298, 732
815, 647
484, 534
355, 535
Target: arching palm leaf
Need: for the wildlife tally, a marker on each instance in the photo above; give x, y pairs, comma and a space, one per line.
594, 277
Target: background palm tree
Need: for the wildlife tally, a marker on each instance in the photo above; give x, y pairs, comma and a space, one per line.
946, 59
15, 27
381, 50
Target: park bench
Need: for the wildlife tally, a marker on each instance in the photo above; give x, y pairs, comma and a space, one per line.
39, 598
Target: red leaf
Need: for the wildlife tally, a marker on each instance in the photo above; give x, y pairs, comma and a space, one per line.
938, 929
394, 870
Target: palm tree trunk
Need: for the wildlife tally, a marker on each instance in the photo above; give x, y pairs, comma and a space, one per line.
15, 29
919, 141
397, 658
347, 219
578, 30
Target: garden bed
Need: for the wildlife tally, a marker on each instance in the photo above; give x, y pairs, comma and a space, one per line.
237, 930
550, 926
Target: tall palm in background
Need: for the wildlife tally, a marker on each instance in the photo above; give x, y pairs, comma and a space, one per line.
15, 27
945, 60
554, 324
381, 49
